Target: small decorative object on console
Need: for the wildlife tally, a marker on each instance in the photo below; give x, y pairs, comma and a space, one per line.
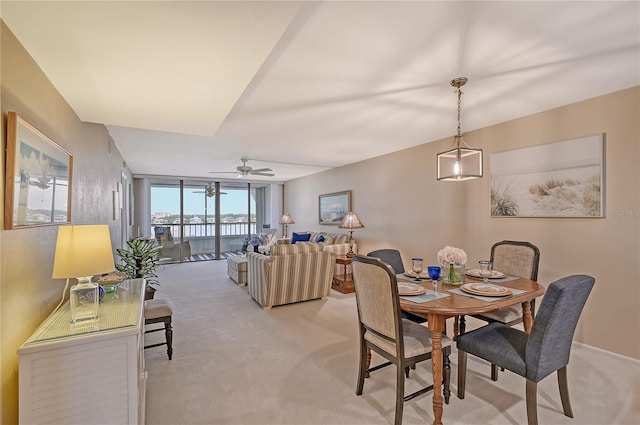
111, 281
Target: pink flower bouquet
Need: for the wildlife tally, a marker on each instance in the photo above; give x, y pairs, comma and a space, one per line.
450, 254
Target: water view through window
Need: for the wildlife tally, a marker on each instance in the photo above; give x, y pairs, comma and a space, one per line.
197, 222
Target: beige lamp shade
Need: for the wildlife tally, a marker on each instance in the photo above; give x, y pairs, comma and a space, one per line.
351, 221
287, 219
83, 250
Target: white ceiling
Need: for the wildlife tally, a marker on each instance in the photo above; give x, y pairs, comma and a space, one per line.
189, 87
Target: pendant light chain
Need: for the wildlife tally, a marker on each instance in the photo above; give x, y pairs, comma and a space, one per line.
459, 109
457, 83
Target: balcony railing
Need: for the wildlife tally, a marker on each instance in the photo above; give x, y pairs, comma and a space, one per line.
198, 230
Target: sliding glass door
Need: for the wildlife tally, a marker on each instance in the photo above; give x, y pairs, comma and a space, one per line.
237, 216
216, 218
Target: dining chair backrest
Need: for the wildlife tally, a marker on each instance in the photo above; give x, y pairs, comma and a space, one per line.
391, 257
377, 299
549, 343
516, 258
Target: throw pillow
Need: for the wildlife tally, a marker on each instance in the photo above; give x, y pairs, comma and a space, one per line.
255, 240
320, 239
300, 237
341, 239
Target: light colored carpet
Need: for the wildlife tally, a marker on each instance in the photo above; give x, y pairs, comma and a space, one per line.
234, 363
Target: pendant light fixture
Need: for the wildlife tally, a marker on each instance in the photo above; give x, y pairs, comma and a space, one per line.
461, 162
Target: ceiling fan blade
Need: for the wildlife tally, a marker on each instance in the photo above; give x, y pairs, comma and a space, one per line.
245, 170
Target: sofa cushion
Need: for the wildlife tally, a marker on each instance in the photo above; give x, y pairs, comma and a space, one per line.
299, 248
340, 238
300, 237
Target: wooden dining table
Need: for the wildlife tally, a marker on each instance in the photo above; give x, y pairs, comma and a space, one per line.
439, 310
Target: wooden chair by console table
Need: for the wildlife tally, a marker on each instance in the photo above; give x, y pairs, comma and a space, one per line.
343, 283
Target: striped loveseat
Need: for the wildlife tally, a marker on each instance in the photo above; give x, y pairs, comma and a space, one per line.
292, 273
336, 243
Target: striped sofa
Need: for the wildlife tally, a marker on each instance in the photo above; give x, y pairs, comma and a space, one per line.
292, 273
336, 243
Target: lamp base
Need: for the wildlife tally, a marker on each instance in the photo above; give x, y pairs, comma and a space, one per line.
84, 299
350, 254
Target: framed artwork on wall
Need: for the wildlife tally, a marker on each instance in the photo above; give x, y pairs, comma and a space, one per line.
332, 207
38, 178
562, 179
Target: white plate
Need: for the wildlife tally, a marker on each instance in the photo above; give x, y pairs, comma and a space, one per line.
408, 288
423, 275
486, 289
476, 273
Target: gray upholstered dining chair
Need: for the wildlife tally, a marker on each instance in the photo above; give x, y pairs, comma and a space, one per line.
533, 356
394, 259
514, 258
391, 257
382, 329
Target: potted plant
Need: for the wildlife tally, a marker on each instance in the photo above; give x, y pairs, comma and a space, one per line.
141, 261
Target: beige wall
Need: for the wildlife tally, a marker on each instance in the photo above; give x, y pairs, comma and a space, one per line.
27, 292
403, 206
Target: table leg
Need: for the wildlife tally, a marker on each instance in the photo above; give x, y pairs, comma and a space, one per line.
436, 326
455, 328
527, 318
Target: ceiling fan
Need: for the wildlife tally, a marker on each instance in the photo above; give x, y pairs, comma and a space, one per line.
44, 182
245, 170
209, 190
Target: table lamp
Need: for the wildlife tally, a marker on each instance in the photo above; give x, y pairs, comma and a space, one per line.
83, 251
286, 220
351, 222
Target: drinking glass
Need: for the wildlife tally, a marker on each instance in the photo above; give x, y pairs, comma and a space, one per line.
416, 267
434, 274
486, 267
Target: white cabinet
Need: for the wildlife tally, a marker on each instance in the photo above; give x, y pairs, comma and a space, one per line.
90, 373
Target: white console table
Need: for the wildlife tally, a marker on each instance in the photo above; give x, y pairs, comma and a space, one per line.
87, 373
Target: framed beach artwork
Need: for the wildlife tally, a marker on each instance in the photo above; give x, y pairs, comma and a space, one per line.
562, 179
333, 207
38, 178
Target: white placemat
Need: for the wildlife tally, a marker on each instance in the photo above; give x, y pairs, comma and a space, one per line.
426, 297
459, 291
